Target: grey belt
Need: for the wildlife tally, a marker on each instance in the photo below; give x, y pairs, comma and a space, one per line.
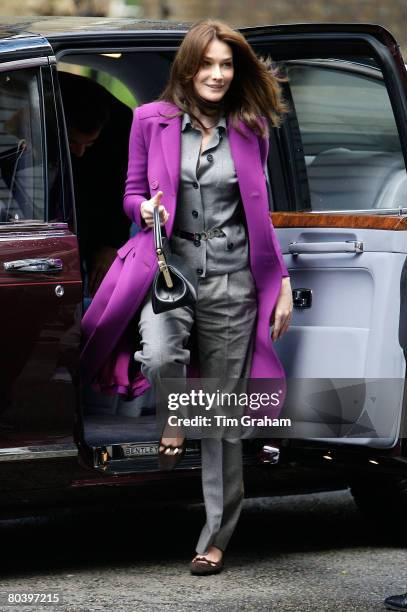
196, 237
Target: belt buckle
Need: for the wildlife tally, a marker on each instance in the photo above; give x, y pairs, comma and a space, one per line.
197, 239
216, 232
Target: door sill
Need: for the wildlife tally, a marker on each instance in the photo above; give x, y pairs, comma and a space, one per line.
133, 457
141, 457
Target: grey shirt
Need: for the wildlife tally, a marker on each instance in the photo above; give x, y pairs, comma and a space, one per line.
209, 197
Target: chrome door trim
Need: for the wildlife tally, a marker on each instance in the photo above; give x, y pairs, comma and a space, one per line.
39, 264
31, 62
28, 453
102, 50
356, 211
347, 246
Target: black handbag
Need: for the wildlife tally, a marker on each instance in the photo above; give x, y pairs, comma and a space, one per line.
175, 283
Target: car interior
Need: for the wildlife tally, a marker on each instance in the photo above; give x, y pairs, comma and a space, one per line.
113, 419
351, 145
21, 159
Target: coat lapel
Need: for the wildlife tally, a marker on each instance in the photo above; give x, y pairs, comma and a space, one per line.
246, 156
171, 152
171, 147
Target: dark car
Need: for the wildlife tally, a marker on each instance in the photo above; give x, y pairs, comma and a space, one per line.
338, 178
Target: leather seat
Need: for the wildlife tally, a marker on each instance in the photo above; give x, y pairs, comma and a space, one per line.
341, 179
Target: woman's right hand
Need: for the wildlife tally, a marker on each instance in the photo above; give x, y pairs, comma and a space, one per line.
147, 208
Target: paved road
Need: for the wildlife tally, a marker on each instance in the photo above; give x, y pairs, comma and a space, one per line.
301, 553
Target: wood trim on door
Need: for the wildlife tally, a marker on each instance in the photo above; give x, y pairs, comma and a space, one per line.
303, 219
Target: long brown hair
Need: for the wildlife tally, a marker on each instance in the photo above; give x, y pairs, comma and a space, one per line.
254, 92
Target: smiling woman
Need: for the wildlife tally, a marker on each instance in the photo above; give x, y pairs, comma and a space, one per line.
215, 75
203, 74
198, 154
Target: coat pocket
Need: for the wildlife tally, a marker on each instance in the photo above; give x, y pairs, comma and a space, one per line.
126, 248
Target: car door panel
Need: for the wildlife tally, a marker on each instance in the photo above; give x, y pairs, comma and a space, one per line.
345, 144
35, 334
349, 336
41, 308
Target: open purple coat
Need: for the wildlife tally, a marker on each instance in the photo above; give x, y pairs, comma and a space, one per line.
109, 326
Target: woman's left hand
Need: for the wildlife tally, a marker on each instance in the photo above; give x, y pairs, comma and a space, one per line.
281, 316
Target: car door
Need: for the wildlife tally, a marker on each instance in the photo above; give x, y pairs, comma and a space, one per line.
40, 280
338, 176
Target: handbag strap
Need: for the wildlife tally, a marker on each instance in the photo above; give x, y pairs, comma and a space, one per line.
158, 245
158, 242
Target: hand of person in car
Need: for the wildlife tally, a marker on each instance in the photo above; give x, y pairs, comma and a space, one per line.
147, 208
281, 317
101, 261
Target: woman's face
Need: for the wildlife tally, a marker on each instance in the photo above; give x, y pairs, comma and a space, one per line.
215, 75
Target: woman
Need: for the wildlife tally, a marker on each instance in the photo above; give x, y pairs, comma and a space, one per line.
199, 154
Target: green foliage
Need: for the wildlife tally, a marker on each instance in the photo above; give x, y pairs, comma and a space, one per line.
116, 87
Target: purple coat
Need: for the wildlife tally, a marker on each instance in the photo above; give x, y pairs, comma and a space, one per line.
109, 326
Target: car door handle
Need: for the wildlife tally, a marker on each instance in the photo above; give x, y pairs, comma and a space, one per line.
347, 246
33, 265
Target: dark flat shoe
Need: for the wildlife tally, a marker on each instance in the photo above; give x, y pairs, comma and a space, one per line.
396, 602
201, 566
168, 461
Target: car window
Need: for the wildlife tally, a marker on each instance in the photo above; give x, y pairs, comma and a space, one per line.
21, 150
351, 146
113, 84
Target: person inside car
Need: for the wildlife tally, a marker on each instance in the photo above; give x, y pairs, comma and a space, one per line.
98, 126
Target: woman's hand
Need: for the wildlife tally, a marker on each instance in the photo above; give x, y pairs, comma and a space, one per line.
281, 317
147, 208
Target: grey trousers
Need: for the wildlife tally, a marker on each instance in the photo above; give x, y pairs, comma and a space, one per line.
224, 315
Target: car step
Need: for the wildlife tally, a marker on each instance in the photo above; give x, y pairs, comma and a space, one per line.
132, 457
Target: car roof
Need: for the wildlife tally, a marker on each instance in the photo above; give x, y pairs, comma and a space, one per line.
36, 36
62, 26
55, 26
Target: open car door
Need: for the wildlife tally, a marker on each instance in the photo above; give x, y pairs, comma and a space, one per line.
40, 280
339, 183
